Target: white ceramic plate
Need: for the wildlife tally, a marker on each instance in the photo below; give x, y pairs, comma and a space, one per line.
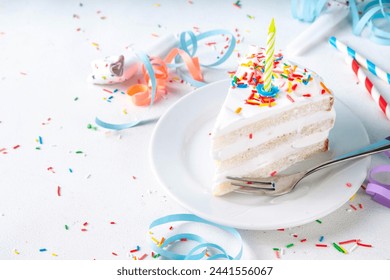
180, 156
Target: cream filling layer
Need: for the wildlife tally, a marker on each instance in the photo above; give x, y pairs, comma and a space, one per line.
263, 160
257, 138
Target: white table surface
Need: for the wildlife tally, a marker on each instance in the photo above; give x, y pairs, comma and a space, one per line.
44, 62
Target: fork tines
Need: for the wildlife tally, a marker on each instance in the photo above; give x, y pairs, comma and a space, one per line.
252, 183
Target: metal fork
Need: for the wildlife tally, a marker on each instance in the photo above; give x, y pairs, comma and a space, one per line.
284, 183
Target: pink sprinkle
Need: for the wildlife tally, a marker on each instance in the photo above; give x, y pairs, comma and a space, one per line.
83, 229
348, 184
3, 150
58, 190
143, 256
107, 90
290, 98
15, 147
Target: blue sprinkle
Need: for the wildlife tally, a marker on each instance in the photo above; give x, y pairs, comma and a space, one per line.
70, 170
321, 238
42, 250
40, 140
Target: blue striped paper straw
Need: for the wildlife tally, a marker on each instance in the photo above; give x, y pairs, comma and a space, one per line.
369, 65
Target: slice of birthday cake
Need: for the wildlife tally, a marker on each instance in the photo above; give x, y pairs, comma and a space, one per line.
259, 132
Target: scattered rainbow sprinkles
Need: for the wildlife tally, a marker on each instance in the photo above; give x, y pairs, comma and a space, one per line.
286, 77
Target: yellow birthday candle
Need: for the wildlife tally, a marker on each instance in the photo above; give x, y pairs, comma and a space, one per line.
269, 57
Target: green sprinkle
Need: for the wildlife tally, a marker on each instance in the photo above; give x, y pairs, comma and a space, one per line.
284, 76
89, 126
276, 249
156, 256
76, 98
338, 248
37, 148
318, 221
66, 227
79, 152
290, 245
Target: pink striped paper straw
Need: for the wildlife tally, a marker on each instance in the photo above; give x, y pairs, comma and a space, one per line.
372, 90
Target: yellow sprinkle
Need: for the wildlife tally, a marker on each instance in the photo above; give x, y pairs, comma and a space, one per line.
16, 252
352, 197
125, 111
95, 45
135, 258
267, 104
54, 255
289, 87
238, 110
150, 232
343, 249
294, 68
155, 240
104, 77
157, 5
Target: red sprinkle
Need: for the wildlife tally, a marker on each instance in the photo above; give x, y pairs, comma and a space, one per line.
143, 256
273, 173
353, 207
280, 229
113, 223
115, 254
83, 229
85, 224
306, 95
250, 135
59, 191
107, 90
321, 245
360, 206
349, 241
15, 147
303, 240
364, 245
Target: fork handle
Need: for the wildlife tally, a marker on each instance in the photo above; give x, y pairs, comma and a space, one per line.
371, 149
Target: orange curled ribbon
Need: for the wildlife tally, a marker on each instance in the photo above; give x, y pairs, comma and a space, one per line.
141, 93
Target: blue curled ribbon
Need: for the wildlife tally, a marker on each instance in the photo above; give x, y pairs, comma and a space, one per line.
307, 10
190, 46
193, 254
371, 13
